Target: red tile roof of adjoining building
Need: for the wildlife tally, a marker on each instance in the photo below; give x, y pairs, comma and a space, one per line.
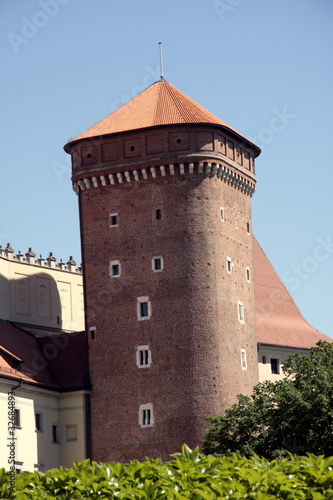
10, 354
69, 366
278, 319
23, 345
58, 362
158, 105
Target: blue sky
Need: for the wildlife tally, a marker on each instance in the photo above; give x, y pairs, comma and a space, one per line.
263, 67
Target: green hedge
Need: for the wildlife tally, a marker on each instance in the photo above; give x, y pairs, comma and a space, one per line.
189, 475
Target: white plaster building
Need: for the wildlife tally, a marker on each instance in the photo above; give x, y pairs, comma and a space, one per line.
42, 361
40, 295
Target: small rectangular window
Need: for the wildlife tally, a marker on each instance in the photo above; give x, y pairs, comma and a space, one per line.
240, 312
229, 265
158, 214
143, 356
92, 330
55, 435
263, 359
38, 421
113, 220
157, 263
114, 269
248, 274
17, 418
222, 214
275, 369
18, 467
243, 359
248, 227
144, 309
146, 418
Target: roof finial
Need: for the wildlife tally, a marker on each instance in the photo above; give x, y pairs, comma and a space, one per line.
161, 60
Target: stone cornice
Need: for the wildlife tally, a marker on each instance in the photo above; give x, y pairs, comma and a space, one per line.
48, 263
228, 174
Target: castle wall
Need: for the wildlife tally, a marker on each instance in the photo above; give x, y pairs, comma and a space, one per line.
194, 333
40, 293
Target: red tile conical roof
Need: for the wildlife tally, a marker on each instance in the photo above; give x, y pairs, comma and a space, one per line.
278, 319
158, 105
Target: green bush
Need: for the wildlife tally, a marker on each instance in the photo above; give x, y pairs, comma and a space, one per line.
189, 475
293, 414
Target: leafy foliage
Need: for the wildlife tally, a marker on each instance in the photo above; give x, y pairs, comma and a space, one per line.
188, 476
294, 414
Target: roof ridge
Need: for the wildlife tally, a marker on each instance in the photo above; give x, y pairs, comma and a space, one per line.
158, 99
174, 97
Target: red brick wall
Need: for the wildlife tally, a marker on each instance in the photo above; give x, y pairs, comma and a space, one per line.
196, 142
194, 333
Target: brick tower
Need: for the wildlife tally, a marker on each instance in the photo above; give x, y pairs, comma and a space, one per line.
164, 193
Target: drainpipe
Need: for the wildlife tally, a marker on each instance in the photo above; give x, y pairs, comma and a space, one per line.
87, 396
17, 386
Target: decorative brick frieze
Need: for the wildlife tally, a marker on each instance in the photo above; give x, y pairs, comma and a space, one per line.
96, 156
229, 175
